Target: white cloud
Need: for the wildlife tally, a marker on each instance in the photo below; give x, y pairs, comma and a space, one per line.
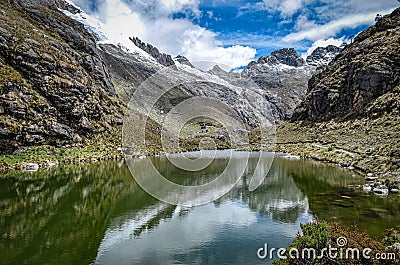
151, 21
332, 9
180, 36
160, 8
322, 43
303, 23
333, 27
119, 22
285, 7
199, 44
173, 6
289, 7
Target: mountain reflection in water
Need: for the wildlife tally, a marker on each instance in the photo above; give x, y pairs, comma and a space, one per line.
98, 214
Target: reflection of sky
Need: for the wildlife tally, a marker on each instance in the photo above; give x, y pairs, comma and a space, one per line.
230, 232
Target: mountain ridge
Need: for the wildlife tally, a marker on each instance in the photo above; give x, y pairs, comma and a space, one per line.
350, 115
79, 83
364, 70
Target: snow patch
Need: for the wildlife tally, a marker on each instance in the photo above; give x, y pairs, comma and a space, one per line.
98, 30
322, 43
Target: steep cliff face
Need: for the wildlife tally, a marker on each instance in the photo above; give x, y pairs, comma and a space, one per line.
51, 4
127, 70
130, 70
162, 58
54, 87
364, 71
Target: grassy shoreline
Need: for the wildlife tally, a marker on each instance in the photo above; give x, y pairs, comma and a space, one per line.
102, 147
369, 146
48, 156
366, 146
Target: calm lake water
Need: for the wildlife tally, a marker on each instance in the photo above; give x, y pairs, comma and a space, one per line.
98, 214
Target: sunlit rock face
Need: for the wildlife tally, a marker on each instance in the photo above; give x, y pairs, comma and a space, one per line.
54, 86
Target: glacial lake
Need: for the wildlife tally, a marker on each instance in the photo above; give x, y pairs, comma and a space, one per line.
97, 213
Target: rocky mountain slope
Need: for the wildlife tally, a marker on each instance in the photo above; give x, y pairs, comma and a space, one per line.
54, 87
62, 82
278, 80
283, 76
351, 113
364, 71
129, 71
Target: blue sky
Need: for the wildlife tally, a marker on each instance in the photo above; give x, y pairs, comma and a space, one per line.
236, 32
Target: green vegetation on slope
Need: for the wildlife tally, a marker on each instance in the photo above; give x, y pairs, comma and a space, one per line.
320, 235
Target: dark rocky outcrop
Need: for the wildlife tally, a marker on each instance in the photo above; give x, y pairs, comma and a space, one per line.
54, 87
284, 56
51, 4
364, 71
183, 60
162, 58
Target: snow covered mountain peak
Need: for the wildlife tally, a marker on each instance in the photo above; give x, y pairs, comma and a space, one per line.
281, 77
323, 55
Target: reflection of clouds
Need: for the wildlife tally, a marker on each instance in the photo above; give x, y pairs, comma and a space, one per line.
116, 235
272, 213
284, 205
230, 213
278, 195
182, 233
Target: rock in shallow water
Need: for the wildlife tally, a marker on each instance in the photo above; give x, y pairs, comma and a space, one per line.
381, 190
31, 167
